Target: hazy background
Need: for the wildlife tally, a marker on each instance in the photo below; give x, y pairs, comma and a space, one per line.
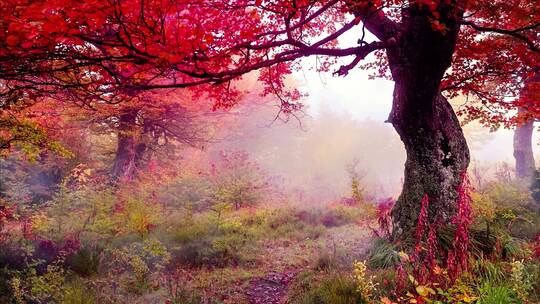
344, 121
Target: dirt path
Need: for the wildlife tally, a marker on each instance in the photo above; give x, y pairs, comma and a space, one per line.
286, 261
270, 289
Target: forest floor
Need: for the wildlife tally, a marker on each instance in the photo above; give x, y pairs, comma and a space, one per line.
256, 255
286, 260
270, 289
268, 269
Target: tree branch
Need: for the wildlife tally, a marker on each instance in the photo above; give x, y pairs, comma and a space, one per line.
376, 21
516, 33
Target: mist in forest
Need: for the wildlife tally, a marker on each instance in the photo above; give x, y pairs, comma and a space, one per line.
314, 151
313, 154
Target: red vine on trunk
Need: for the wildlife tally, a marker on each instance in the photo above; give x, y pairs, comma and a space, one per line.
458, 256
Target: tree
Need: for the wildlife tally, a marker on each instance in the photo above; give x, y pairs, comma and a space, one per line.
145, 127
151, 127
93, 50
523, 152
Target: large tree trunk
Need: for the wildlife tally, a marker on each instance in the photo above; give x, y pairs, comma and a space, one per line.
126, 151
437, 153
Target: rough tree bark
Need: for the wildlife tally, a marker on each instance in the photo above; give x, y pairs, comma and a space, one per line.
126, 151
523, 152
437, 153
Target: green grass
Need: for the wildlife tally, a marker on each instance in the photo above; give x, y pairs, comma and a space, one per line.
490, 294
383, 254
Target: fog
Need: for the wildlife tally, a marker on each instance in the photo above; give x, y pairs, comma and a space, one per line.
312, 157
343, 122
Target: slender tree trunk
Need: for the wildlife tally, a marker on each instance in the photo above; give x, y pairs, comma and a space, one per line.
523, 152
124, 162
437, 153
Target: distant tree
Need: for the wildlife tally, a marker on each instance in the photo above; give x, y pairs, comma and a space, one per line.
145, 127
145, 131
523, 151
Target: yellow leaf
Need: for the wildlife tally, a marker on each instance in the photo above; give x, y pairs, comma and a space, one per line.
468, 299
403, 256
385, 300
413, 280
422, 290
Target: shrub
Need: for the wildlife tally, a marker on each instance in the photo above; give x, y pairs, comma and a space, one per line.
335, 256
12, 258
82, 211
297, 231
364, 283
210, 242
140, 214
533, 269
46, 250
511, 247
520, 280
384, 218
356, 176
30, 286
192, 230
85, 262
507, 206
279, 217
136, 266
187, 190
196, 254
237, 181
76, 292
177, 291
325, 261
129, 269
331, 219
219, 252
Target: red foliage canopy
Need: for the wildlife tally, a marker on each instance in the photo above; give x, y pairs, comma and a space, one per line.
93, 50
